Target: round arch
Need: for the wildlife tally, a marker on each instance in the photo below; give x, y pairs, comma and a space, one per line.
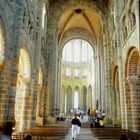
132, 88
132, 55
89, 49
76, 33
71, 38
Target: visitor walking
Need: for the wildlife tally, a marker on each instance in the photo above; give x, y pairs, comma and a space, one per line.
75, 123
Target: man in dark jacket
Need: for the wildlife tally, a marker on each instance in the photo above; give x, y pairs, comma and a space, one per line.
75, 123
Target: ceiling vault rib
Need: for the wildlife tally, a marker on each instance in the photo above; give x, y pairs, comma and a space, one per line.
65, 24
89, 24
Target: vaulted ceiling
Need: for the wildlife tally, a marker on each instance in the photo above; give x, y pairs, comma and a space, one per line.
81, 18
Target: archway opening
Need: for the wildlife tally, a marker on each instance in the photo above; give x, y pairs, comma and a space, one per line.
132, 87
77, 67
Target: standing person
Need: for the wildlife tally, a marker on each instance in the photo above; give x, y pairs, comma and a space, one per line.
74, 130
101, 122
79, 126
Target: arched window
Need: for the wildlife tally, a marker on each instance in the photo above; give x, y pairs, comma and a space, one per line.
67, 52
77, 51
76, 72
1, 43
124, 28
76, 100
43, 15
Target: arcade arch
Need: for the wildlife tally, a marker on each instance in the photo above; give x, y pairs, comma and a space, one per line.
77, 57
132, 88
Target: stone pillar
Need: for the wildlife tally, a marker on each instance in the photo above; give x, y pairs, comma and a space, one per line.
9, 74
128, 106
137, 20
107, 74
59, 83
4, 97
120, 65
53, 66
81, 99
23, 106
135, 105
39, 117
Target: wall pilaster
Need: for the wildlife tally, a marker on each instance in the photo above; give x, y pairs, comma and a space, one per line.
120, 65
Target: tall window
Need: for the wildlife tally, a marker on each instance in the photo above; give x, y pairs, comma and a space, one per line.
76, 100
76, 72
77, 51
43, 15
1, 42
67, 53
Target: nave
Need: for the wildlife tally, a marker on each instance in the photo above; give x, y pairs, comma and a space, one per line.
60, 55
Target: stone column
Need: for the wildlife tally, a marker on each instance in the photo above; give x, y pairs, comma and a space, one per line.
59, 83
135, 98
12, 66
107, 74
128, 106
120, 65
137, 20
25, 106
52, 52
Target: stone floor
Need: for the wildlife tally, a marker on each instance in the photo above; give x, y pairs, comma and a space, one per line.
85, 134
